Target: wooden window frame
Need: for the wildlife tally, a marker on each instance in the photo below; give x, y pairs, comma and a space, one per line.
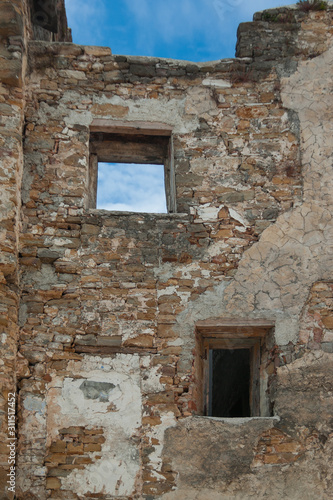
131, 142
230, 334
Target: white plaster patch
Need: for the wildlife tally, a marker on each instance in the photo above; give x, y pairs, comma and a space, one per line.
235, 215
115, 472
150, 110
157, 432
207, 212
151, 378
216, 83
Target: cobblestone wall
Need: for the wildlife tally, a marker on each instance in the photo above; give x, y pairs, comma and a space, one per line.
109, 390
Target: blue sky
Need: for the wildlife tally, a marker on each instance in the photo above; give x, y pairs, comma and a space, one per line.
194, 30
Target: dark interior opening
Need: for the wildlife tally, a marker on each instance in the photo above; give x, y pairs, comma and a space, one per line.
44, 14
230, 383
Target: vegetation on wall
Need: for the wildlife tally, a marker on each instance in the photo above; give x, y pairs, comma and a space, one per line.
307, 5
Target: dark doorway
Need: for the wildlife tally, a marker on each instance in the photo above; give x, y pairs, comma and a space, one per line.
230, 383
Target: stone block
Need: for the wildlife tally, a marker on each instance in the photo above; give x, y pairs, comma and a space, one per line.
58, 447
114, 341
86, 340
142, 70
97, 51
11, 20
53, 483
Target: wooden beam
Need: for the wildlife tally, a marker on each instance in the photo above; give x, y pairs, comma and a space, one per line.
124, 127
232, 343
233, 328
128, 152
126, 148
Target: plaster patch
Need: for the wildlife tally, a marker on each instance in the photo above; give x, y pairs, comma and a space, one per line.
115, 472
237, 216
34, 404
216, 83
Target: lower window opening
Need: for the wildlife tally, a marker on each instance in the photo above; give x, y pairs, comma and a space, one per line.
234, 367
131, 187
229, 383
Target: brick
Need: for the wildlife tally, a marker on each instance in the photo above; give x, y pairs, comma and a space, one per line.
58, 447
75, 448
53, 483
92, 447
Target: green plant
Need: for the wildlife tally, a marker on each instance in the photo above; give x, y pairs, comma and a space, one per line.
286, 18
307, 5
267, 16
281, 17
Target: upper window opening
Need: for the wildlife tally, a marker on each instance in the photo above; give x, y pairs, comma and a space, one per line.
129, 160
130, 187
44, 15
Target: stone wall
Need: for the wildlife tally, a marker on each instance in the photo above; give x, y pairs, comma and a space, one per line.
12, 70
15, 29
109, 391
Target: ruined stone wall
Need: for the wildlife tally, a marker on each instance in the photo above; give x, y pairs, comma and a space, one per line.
109, 391
15, 30
12, 70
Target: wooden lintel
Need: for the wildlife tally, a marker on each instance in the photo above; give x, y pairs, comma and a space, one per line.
125, 152
107, 350
135, 127
234, 328
232, 343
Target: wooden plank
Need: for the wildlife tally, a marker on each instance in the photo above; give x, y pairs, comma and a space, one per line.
128, 152
92, 189
244, 343
206, 379
122, 126
170, 179
210, 382
248, 333
233, 327
216, 322
122, 148
255, 381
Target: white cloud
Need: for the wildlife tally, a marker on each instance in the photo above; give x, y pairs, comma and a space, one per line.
131, 188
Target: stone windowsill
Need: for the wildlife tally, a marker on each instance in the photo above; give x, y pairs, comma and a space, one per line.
111, 213
239, 421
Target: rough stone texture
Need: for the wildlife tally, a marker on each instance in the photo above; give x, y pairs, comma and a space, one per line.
107, 302
12, 69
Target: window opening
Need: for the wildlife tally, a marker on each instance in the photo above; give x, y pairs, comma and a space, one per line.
130, 149
44, 14
234, 367
131, 187
230, 383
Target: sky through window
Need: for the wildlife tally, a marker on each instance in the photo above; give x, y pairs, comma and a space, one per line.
131, 187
